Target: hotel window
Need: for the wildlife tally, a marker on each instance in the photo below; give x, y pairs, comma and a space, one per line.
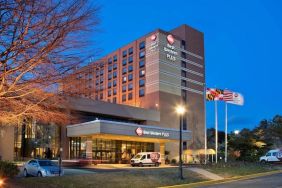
183, 64
115, 66
130, 50
114, 74
130, 77
114, 100
183, 44
141, 63
101, 96
114, 91
141, 92
124, 88
183, 83
141, 73
97, 82
124, 70
96, 97
101, 87
183, 73
141, 83
115, 58
183, 55
184, 94
130, 87
184, 122
130, 96
110, 68
101, 80
109, 93
109, 84
97, 73
114, 83
141, 54
109, 76
110, 60
124, 79
101, 71
130, 68
124, 53
123, 62
123, 97
142, 45
130, 59
184, 144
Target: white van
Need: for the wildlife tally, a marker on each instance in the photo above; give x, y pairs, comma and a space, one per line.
272, 156
146, 158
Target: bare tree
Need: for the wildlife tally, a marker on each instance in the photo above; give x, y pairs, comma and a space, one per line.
40, 42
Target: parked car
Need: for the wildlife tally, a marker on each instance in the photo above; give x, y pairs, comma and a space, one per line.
146, 158
272, 156
42, 168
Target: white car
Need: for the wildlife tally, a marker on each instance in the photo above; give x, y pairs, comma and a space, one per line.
42, 168
272, 156
146, 158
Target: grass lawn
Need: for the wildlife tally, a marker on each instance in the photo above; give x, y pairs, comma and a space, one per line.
132, 178
232, 169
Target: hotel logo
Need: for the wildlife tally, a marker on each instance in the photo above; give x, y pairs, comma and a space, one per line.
170, 39
139, 131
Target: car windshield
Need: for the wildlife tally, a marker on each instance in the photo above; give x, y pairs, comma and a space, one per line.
137, 156
46, 163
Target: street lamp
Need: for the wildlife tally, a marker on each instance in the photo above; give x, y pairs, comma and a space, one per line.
180, 111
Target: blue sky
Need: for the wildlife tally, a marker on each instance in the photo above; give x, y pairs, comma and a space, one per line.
243, 46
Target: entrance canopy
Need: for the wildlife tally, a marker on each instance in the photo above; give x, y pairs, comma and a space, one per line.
126, 131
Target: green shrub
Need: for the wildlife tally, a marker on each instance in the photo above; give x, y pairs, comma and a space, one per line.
173, 161
8, 169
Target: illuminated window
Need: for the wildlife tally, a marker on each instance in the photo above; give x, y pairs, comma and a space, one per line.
124, 79
141, 73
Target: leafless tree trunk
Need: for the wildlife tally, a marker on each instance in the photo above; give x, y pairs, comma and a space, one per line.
40, 43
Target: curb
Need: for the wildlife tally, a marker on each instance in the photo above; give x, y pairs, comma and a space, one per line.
227, 180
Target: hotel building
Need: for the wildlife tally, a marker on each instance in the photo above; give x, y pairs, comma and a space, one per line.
125, 102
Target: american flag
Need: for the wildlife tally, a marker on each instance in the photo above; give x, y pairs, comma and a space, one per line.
227, 95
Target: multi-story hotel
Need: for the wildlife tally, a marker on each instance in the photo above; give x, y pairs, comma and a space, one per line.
126, 101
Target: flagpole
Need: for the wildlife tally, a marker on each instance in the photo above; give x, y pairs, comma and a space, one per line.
205, 90
226, 121
216, 133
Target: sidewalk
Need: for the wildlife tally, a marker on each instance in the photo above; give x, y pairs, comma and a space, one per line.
206, 173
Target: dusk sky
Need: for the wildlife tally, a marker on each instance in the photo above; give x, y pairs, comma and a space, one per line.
243, 46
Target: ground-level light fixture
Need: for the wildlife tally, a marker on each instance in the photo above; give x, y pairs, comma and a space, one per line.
236, 132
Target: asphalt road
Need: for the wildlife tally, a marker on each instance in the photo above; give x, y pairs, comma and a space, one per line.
271, 181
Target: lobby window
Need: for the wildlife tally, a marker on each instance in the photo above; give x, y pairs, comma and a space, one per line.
130, 68
184, 122
141, 83
110, 68
124, 53
110, 60
110, 76
124, 79
141, 92
183, 83
141, 54
130, 77
109, 84
123, 97
114, 83
123, 62
114, 100
141, 73
124, 88
124, 70
130, 59
115, 66
183, 55
183, 64
184, 145
130, 96
114, 91
130, 87
183, 73
114, 74
101, 96
115, 58
141, 63
130, 50
109, 93
142, 45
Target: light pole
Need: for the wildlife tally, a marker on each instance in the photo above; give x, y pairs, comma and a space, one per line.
180, 111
